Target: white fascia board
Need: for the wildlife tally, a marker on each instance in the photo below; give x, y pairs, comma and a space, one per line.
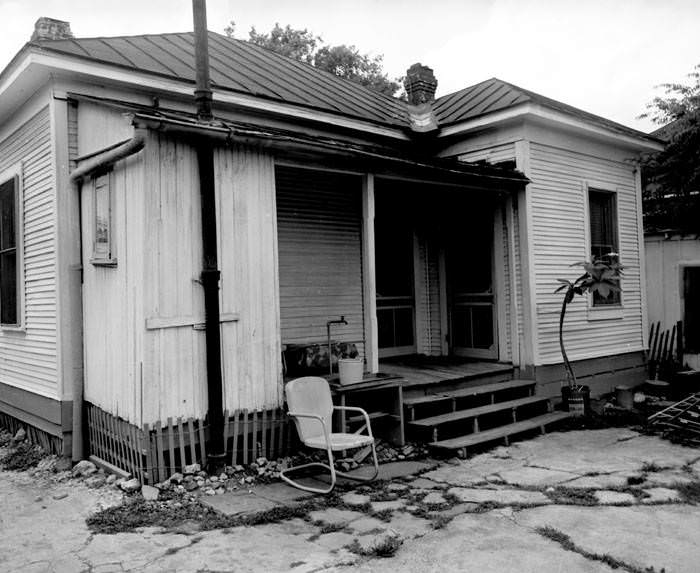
149, 81
530, 110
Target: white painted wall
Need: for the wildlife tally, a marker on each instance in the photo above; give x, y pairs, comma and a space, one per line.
28, 357
665, 258
148, 374
560, 167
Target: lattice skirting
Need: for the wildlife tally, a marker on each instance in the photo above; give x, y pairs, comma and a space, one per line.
50, 443
156, 451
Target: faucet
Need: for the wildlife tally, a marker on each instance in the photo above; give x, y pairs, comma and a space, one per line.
328, 331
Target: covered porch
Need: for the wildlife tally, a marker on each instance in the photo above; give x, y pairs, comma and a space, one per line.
393, 268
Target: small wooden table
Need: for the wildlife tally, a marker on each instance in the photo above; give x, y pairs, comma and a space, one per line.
381, 395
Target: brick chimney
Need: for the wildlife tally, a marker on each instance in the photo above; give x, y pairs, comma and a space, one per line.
420, 84
50, 29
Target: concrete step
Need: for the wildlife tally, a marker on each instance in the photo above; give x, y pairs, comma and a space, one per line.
434, 421
461, 443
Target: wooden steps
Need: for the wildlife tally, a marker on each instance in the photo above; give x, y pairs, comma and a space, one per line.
434, 421
461, 443
451, 396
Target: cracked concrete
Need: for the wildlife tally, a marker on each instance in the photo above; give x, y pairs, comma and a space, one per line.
495, 506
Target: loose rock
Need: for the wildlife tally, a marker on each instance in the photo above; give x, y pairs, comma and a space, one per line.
150, 493
130, 486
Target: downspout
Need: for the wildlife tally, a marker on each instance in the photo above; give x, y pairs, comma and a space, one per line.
95, 163
216, 452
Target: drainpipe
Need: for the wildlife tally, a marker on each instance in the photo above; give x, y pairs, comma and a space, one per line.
210, 275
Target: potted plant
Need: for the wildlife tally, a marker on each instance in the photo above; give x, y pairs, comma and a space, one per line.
601, 276
350, 365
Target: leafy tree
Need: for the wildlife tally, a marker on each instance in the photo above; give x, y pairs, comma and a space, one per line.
342, 60
672, 176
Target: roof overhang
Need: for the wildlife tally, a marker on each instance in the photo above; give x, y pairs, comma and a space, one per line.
380, 160
531, 111
32, 63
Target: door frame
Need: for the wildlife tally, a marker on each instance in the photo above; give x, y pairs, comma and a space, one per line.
494, 352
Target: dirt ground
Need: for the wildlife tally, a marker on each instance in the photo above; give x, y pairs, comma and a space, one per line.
579, 501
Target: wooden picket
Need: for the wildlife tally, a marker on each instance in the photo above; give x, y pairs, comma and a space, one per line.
156, 451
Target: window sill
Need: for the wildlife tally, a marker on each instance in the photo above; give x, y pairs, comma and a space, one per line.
598, 313
21, 329
103, 262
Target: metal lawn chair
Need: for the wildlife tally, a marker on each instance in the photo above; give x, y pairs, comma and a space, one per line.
310, 405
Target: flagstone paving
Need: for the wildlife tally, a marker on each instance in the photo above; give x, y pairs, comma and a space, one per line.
574, 501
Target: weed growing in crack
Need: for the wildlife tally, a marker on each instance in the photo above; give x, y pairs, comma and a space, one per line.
571, 496
652, 467
386, 547
566, 543
690, 492
635, 480
440, 521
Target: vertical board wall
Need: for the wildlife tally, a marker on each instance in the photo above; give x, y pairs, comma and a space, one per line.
144, 346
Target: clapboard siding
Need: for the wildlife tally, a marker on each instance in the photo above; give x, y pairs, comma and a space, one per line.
559, 238
28, 359
320, 257
495, 154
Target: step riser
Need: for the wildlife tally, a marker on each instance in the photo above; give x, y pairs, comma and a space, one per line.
485, 422
459, 384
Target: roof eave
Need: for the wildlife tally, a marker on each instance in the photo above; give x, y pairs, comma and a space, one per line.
33, 55
530, 110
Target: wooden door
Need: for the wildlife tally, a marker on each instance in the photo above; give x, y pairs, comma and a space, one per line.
472, 301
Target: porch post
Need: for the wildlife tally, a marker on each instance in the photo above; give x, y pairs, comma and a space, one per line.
369, 282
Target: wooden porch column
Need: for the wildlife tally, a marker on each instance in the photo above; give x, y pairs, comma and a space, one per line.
369, 279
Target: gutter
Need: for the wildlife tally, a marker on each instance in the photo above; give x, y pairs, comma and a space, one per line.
228, 134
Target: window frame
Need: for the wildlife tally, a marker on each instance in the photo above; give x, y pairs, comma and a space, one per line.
100, 259
602, 312
15, 172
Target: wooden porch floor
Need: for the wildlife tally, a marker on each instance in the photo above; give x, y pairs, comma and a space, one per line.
422, 370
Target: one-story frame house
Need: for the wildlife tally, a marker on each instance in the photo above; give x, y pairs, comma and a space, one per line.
433, 227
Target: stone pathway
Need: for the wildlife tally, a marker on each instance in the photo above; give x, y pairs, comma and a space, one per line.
574, 501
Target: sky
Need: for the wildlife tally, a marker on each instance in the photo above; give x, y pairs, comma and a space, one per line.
603, 56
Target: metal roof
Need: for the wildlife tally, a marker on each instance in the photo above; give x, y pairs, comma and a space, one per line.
241, 67
245, 68
496, 95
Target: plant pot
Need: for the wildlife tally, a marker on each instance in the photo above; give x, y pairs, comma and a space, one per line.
577, 400
350, 370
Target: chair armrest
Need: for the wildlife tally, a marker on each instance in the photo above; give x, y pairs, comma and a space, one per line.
361, 411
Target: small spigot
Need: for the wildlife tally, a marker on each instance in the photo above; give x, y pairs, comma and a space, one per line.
328, 332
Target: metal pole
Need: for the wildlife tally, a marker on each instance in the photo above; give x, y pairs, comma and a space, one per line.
210, 273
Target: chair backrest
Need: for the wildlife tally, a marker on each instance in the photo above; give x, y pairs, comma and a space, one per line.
310, 395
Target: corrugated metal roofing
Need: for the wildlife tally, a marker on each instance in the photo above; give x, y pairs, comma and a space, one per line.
241, 67
496, 95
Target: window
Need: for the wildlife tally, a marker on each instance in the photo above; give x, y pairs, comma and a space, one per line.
102, 246
603, 222
9, 240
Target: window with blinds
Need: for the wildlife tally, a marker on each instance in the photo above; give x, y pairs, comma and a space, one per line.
9, 296
603, 222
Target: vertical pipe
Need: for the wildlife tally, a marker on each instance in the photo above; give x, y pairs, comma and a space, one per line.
202, 92
210, 273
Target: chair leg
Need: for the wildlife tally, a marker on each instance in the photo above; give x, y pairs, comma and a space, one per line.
330, 467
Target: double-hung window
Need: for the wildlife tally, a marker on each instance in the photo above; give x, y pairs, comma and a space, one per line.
602, 208
10, 260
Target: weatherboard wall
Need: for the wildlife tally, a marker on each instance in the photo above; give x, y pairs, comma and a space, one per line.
28, 355
561, 167
144, 342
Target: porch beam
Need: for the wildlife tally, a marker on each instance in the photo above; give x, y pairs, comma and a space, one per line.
369, 277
